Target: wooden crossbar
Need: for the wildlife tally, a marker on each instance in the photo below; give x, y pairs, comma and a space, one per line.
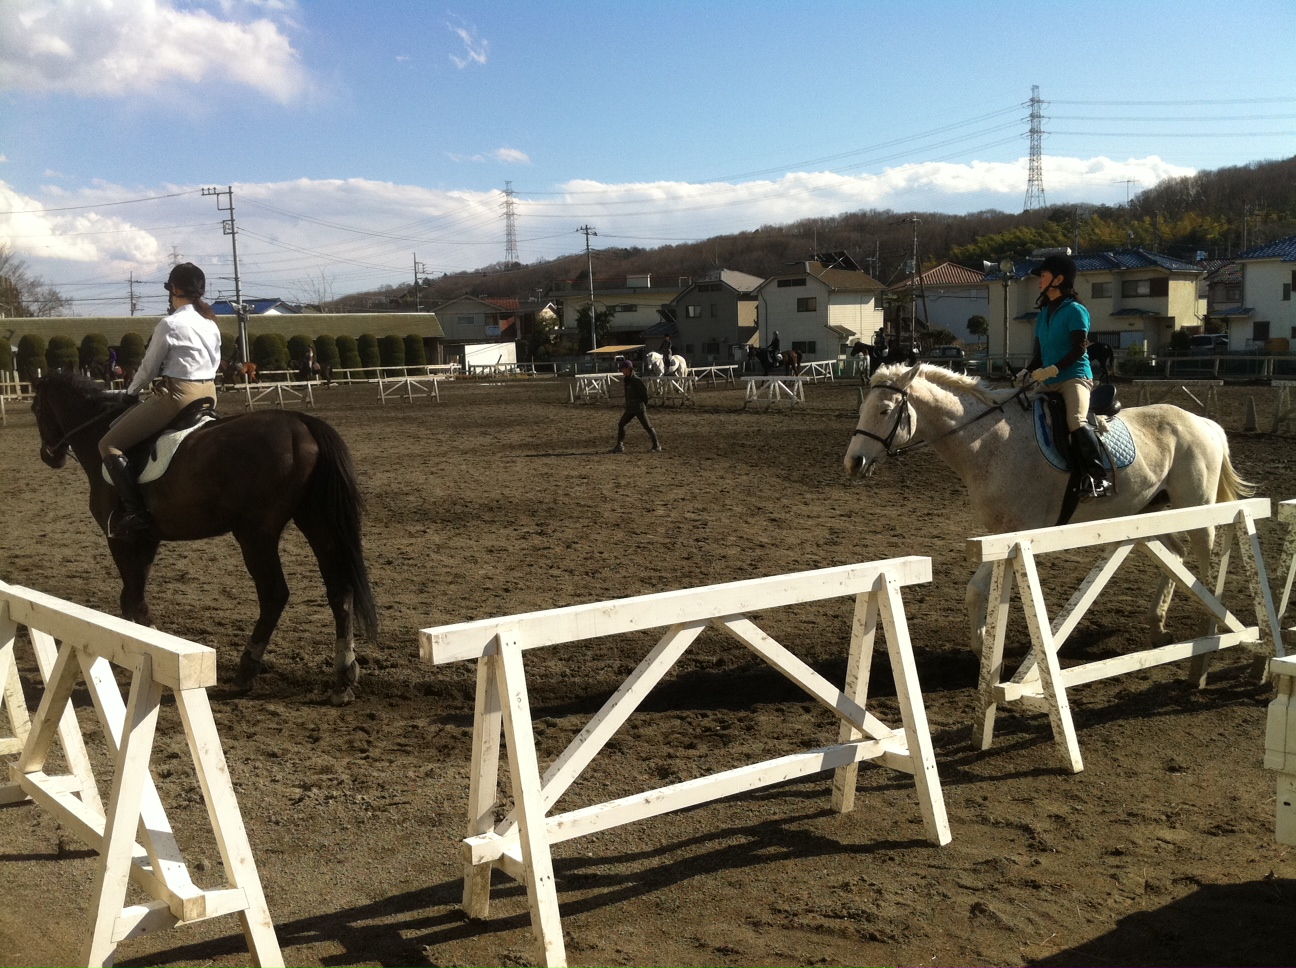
298, 392
131, 833
521, 843
1287, 517
1280, 746
406, 387
1040, 683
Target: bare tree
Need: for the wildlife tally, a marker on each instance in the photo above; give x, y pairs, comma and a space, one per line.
24, 294
315, 290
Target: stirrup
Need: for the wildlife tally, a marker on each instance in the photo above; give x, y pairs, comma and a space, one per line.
1092, 488
122, 522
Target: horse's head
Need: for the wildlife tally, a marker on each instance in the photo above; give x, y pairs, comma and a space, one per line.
54, 445
886, 421
65, 404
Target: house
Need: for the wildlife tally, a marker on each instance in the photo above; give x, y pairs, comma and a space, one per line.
256, 307
821, 308
1266, 310
1134, 297
477, 319
944, 297
714, 319
637, 305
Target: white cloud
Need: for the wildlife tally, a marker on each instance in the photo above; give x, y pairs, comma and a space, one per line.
476, 49
132, 46
361, 232
511, 156
402, 58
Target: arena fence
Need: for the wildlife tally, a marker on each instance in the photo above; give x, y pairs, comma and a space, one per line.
277, 394
92, 644
521, 844
1287, 517
1040, 683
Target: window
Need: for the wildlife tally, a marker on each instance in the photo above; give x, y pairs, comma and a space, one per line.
1287, 291
808, 304
1260, 331
464, 320
626, 308
709, 287
1131, 288
1100, 290
804, 346
1232, 294
688, 348
711, 349
692, 312
785, 283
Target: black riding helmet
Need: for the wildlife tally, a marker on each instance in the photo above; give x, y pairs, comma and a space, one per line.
1059, 265
187, 280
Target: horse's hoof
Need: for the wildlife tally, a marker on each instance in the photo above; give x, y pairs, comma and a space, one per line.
342, 698
248, 669
350, 676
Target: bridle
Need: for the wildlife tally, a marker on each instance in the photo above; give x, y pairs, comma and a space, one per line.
904, 418
52, 450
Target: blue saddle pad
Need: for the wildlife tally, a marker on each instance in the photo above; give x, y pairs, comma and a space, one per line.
1117, 440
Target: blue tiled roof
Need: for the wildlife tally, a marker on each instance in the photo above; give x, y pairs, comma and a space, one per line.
1284, 249
224, 307
1105, 262
1232, 311
1133, 312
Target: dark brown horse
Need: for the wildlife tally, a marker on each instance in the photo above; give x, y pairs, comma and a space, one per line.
790, 360
248, 475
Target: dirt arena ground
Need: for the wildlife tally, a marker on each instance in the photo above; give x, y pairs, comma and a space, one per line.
502, 499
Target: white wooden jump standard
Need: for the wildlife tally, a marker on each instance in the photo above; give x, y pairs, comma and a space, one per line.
1280, 747
1287, 516
298, 392
1040, 682
722, 373
1209, 389
667, 390
91, 644
520, 845
406, 386
591, 387
775, 389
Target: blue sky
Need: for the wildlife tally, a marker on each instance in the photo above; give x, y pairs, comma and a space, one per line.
356, 135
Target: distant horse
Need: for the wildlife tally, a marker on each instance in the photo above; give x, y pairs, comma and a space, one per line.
1101, 356
248, 474
790, 360
233, 374
657, 365
1180, 458
872, 357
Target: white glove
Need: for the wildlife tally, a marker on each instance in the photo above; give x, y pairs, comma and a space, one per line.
1022, 378
1044, 373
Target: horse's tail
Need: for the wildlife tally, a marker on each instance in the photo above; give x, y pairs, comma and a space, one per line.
333, 505
1231, 486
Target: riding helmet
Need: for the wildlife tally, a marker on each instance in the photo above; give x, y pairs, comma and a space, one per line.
187, 280
1059, 265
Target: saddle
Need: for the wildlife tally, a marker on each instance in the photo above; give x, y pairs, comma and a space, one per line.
150, 458
1055, 442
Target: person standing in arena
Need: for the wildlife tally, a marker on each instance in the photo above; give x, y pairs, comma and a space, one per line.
636, 408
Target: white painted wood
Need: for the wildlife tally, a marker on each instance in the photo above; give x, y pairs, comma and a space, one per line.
1287, 515
1040, 682
69, 729
771, 390
520, 844
471, 640
407, 387
1111, 530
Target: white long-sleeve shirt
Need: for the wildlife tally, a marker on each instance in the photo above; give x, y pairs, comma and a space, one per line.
185, 345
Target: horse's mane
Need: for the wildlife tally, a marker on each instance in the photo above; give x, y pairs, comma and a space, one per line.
82, 386
899, 375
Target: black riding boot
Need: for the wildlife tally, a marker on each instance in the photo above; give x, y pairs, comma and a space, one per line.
131, 515
1084, 442
656, 445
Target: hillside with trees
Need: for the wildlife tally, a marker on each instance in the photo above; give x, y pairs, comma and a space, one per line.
1216, 212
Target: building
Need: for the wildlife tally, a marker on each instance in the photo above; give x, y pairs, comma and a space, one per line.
1265, 312
946, 297
820, 308
713, 320
637, 306
1134, 297
256, 307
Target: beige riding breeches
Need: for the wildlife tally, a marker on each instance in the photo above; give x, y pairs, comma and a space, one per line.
1076, 394
153, 412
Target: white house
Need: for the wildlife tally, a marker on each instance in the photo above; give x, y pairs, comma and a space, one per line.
1266, 311
820, 309
946, 297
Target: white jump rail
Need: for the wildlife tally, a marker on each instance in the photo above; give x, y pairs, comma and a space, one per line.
407, 387
771, 390
1280, 746
277, 393
671, 390
817, 370
521, 844
92, 643
591, 387
1040, 683
1159, 391
715, 375
1287, 516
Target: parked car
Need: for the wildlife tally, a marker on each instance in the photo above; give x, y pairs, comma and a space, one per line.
1207, 344
950, 357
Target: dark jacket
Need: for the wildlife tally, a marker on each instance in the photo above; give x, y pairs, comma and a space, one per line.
636, 393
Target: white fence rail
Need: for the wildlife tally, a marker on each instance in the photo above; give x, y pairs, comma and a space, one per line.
92, 644
277, 394
772, 390
716, 374
1040, 682
521, 844
407, 388
671, 390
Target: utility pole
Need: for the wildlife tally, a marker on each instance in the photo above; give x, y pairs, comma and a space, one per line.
589, 261
510, 227
131, 282
418, 267
1035, 172
227, 225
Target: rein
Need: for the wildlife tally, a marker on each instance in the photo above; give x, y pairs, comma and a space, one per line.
903, 417
51, 450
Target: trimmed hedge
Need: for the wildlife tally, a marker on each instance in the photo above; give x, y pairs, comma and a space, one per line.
391, 350
6, 356
31, 357
62, 354
131, 350
94, 349
326, 351
270, 351
415, 355
348, 353
299, 348
367, 346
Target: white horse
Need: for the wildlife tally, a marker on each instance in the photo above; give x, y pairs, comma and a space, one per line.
989, 441
657, 365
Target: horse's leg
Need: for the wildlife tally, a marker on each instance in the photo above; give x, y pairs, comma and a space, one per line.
1202, 540
346, 671
134, 556
261, 557
1159, 607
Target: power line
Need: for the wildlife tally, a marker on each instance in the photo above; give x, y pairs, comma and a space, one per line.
78, 208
